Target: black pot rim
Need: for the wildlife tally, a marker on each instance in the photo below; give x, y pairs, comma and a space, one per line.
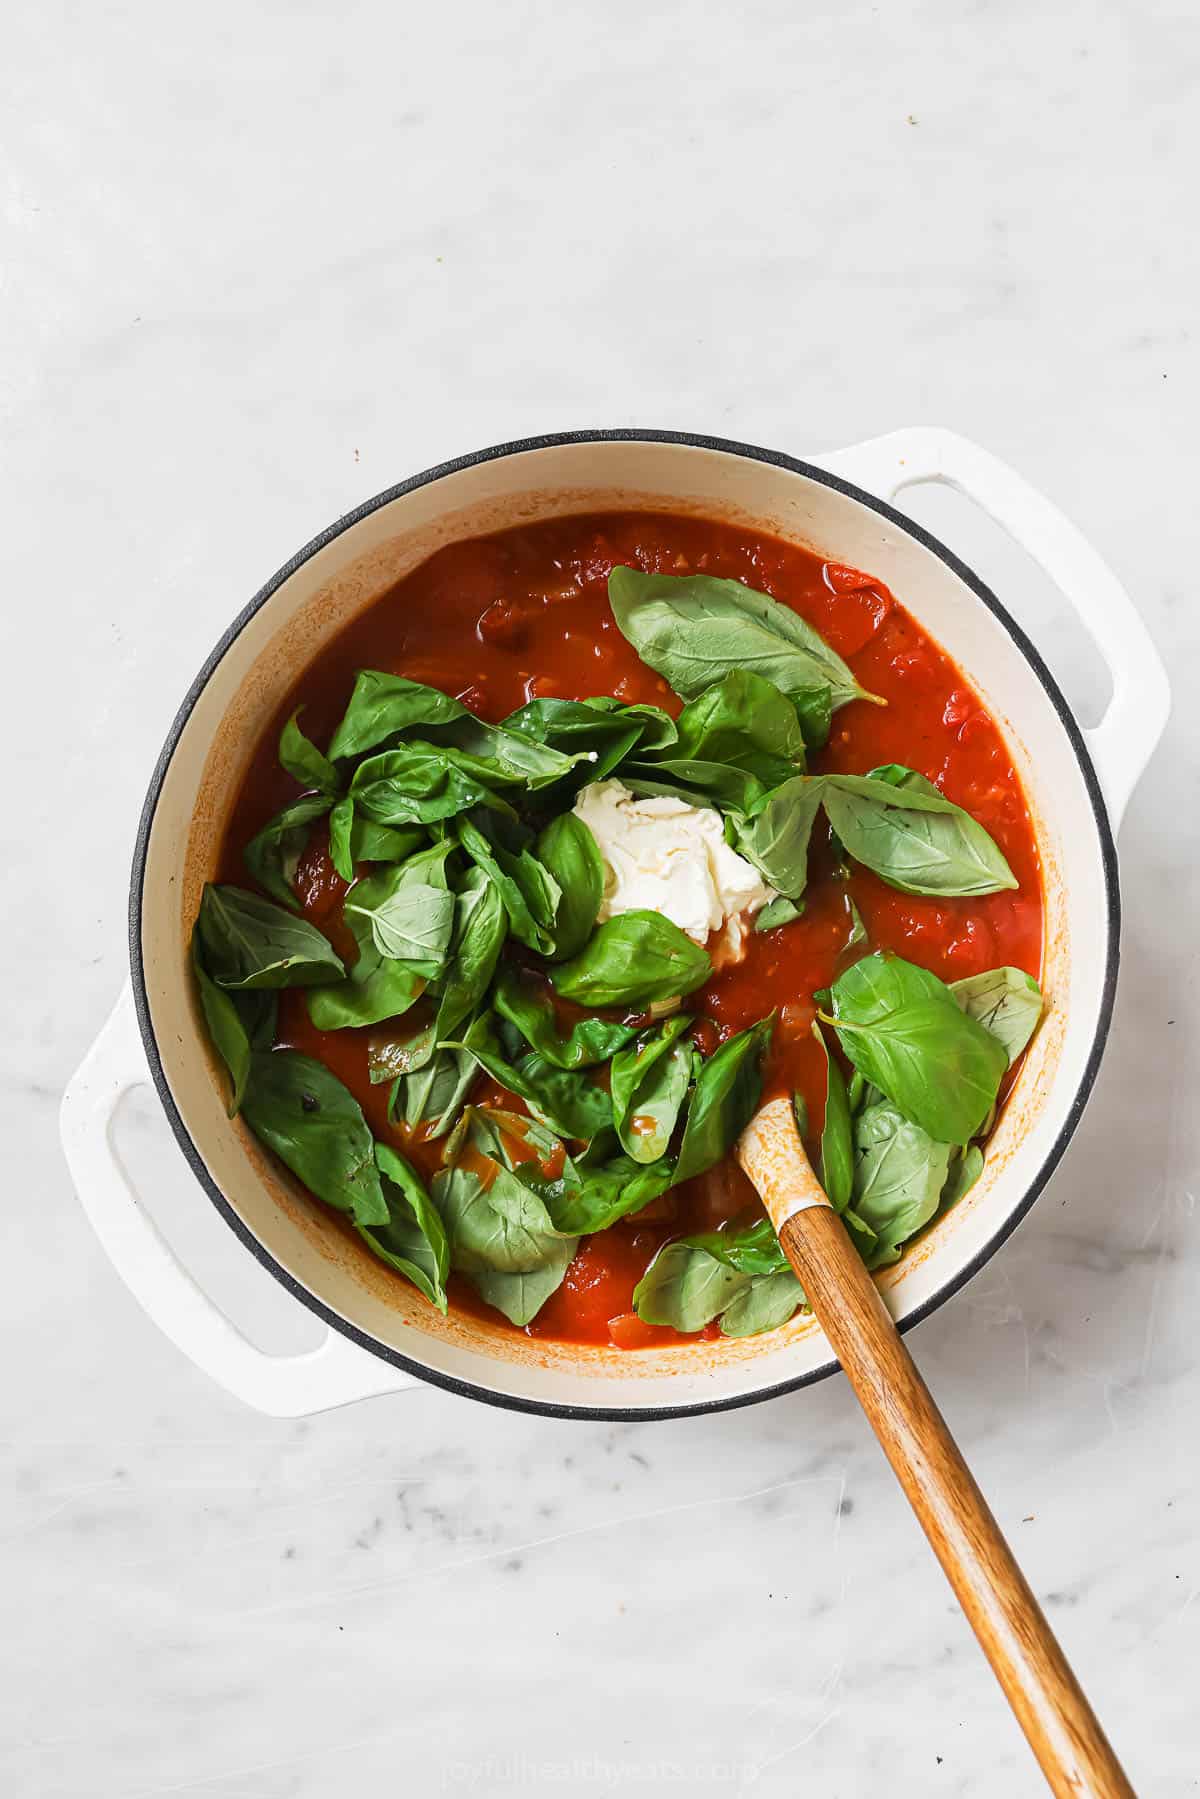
691, 440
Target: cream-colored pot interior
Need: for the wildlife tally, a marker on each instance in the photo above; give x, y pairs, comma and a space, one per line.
345, 574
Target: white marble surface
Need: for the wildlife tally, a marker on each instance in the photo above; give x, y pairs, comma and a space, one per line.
258, 262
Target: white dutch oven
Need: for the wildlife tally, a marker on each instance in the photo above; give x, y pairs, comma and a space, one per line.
382, 1335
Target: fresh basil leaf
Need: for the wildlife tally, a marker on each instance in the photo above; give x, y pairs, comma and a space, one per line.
392, 1054
693, 629
744, 722
409, 920
315, 1125
376, 989
778, 912
383, 706
434, 1092
528, 891
589, 1041
775, 837
1005, 1001
304, 761
686, 1287
416, 783
480, 930
899, 1173
696, 783
723, 1100
506, 758
966, 1166
754, 1249
915, 840
858, 930
769, 1301
601, 732
341, 837
594, 1196
226, 1027
355, 840
250, 942
413, 1241
633, 960
906, 1032
569, 851
568, 1103
837, 1147
649, 1083
497, 1225
273, 856
522, 1295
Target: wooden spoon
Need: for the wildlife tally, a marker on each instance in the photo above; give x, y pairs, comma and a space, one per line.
1063, 1731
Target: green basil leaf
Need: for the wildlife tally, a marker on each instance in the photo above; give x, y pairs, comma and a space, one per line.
915, 840
522, 1295
383, 706
775, 837
858, 930
649, 1083
226, 1026
355, 840
966, 1166
696, 783
273, 856
778, 912
480, 930
341, 837
693, 629
250, 942
569, 851
596, 1195
744, 722
315, 1125
528, 891
409, 920
434, 1091
633, 960
899, 1173
391, 1054
905, 1031
507, 758
568, 1103
304, 761
769, 1301
413, 1241
589, 1041
375, 990
1005, 1001
416, 783
726, 1092
837, 1147
600, 732
753, 1249
686, 1288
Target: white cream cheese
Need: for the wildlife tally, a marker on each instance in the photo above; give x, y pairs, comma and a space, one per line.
662, 855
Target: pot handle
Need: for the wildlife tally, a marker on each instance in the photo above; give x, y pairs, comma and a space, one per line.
1123, 742
333, 1374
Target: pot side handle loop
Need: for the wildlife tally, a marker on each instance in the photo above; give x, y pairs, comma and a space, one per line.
333, 1374
1123, 742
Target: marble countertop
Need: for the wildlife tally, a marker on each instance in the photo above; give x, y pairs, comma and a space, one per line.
259, 262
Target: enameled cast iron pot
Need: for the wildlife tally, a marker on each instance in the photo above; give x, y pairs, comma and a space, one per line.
382, 1334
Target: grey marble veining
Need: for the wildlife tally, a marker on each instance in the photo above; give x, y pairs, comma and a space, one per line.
257, 263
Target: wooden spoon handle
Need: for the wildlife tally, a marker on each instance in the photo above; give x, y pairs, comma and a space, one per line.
1062, 1729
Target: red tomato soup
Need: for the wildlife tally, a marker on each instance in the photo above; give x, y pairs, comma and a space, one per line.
497, 621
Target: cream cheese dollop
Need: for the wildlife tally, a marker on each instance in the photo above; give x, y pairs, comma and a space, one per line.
664, 855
